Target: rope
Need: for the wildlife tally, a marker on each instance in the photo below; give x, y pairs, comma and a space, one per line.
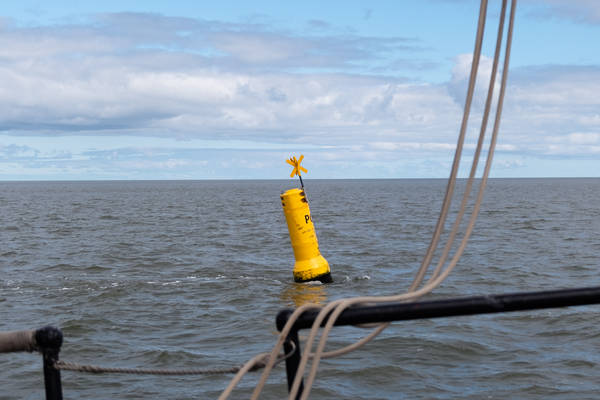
435, 280
477, 154
238, 377
438, 276
458, 153
94, 369
258, 362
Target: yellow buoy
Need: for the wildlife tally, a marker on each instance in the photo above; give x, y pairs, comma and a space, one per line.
310, 264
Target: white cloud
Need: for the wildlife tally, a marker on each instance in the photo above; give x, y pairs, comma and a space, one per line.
584, 138
120, 76
162, 77
512, 163
557, 102
459, 81
412, 146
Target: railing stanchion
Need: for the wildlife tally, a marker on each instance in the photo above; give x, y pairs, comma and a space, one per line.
292, 363
49, 341
291, 344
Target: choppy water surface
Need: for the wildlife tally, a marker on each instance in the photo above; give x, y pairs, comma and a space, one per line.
192, 275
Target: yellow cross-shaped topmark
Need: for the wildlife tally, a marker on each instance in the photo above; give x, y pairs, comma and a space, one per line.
296, 164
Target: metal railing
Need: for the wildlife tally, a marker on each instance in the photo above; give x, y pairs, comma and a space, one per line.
48, 340
432, 309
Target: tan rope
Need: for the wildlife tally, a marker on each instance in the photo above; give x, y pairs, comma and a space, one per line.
484, 123
282, 337
238, 377
493, 140
285, 331
457, 155
94, 369
337, 307
437, 280
256, 363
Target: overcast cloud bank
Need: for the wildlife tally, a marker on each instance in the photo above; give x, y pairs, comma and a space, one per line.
182, 79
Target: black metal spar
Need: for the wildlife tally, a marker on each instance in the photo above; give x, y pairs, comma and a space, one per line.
388, 312
450, 307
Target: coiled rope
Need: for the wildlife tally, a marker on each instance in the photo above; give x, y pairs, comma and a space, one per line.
438, 275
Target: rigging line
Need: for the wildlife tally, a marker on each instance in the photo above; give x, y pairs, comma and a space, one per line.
335, 353
344, 350
457, 155
427, 287
308, 346
476, 156
236, 379
443, 213
439, 279
340, 308
95, 369
282, 337
324, 335
493, 140
258, 361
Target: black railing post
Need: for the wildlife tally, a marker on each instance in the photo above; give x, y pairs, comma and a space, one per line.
292, 363
292, 344
49, 340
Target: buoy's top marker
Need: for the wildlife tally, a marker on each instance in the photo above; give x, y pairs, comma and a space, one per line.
296, 164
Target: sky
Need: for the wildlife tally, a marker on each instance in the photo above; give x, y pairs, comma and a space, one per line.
230, 89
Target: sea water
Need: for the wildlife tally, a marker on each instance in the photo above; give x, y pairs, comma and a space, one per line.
191, 274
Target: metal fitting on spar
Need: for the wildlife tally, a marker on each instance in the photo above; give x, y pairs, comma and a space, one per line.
310, 264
